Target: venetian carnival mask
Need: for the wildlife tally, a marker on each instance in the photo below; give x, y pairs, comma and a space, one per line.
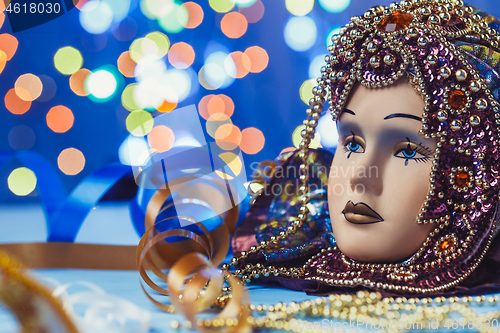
449, 53
445, 49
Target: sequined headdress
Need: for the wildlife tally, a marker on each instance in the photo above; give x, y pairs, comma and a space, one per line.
450, 54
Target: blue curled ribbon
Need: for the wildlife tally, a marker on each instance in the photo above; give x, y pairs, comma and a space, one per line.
82, 199
65, 215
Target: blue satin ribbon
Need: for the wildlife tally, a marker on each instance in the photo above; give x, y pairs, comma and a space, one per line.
82, 199
65, 215
49, 186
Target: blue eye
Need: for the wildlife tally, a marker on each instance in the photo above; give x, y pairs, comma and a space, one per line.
353, 146
409, 153
412, 151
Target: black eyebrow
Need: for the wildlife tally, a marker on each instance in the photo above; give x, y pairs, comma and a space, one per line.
403, 115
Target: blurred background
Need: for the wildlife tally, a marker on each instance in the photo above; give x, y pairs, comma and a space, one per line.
83, 90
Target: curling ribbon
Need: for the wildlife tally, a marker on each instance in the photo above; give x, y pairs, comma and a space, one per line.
192, 262
194, 269
32, 304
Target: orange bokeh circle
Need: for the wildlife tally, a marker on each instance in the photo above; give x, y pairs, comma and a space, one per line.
195, 14
252, 140
60, 119
234, 25
15, 104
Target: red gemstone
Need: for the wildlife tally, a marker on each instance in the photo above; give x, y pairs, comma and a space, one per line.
395, 22
462, 178
445, 245
457, 99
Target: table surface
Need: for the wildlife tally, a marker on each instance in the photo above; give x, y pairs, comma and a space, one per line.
109, 223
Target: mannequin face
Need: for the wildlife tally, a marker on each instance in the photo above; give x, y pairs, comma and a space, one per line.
380, 175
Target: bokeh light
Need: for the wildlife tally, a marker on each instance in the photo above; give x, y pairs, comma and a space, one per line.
22, 181
254, 13
214, 71
142, 47
80, 3
152, 8
125, 30
155, 44
203, 81
334, 31
315, 66
3, 60
327, 130
195, 14
15, 104
299, 7
237, 64
150, 67
234, 163
134, 151
234, 25
244, 3
71, 161
228, 105
203, 106
221, 6
334, 6
161, 41
126, 65
166, 106
258, 58
215, 121
149, 94
174, 20
139, 123
181, 55
77, 82
161, 138
297, 138
214, 104
101, 84
21, 137
120, 8
8, 44
300, 33
49, 88
178, 81
28, 87
228, 136
68, 60
306, 90
96, 17
60, 119
252, 140
213, 81
128, 101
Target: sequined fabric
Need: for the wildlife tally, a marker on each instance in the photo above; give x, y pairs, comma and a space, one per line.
278, 204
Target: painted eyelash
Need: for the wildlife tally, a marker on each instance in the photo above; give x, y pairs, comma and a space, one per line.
422, 150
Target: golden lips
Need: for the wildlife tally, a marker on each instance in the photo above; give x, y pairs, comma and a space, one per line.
360, 213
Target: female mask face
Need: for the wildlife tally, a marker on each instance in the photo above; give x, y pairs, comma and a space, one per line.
380, 175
